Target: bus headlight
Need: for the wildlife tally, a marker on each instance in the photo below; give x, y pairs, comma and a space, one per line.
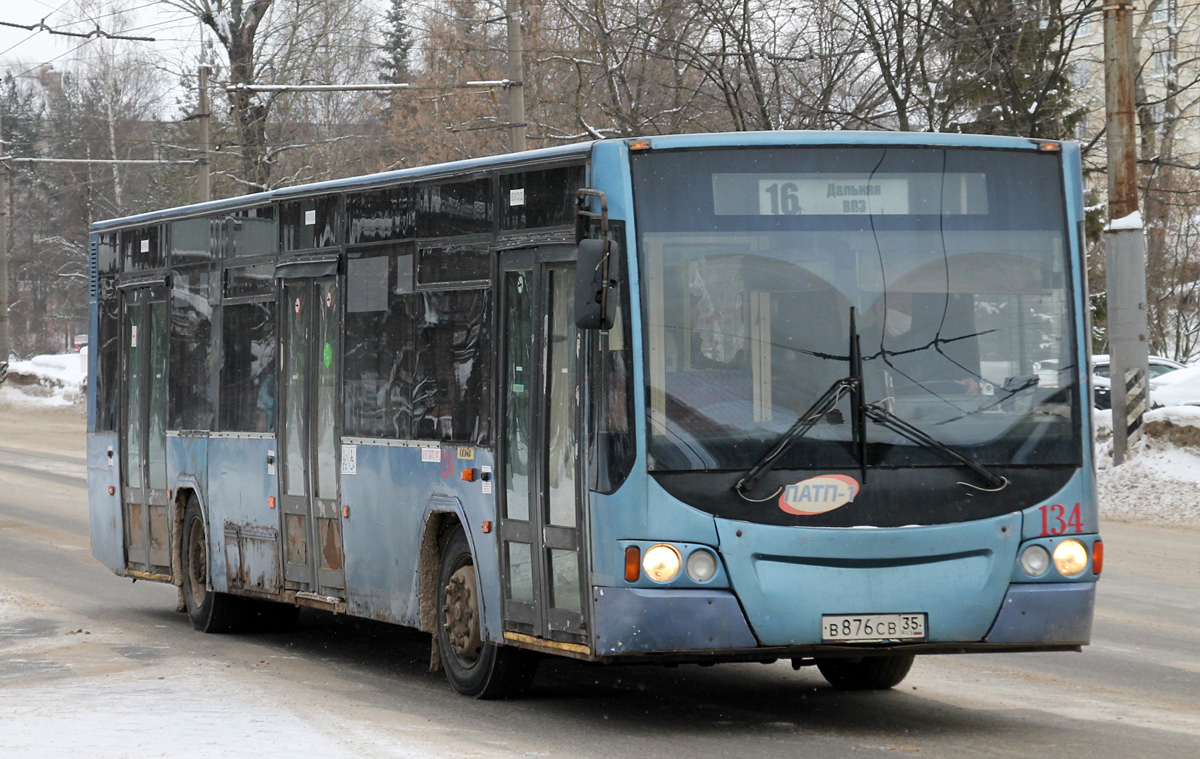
661, 562
701, 565
1035, 560
1071, 558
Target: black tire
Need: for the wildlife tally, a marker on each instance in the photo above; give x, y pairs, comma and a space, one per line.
474, 667
867, 673
209, 611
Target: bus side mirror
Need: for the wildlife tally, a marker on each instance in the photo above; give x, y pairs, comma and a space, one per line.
593, 309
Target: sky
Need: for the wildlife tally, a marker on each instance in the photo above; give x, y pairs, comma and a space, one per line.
27, 50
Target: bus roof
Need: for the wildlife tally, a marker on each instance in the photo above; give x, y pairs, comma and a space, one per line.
361, 181
663, 142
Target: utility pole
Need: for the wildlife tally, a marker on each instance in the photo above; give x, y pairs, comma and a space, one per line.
1124, 237
5, 344
516, 76
205, 175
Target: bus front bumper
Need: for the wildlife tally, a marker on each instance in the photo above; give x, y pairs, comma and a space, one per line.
700, 625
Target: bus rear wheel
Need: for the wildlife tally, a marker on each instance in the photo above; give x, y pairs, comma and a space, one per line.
867, 673
209, 611
474, 667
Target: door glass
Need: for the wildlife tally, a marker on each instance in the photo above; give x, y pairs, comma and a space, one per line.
520, 572
156, 452
296, 367
328, 349
135, 348
518, 390
562, 391
564, 573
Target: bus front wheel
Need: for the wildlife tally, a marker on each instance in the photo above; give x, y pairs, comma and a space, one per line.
209, 611
474, 667
867, 673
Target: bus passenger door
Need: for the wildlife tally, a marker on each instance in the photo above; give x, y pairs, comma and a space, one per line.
308, 464
539, 477
144, 331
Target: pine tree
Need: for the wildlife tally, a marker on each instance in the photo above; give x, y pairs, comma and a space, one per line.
396, 45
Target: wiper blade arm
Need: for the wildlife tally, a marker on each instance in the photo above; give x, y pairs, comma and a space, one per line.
823, 405
881, 416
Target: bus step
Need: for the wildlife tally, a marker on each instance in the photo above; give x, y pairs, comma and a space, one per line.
318, 601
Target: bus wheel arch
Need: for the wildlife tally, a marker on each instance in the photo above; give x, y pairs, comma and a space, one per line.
178, 507
475, 667
208, 610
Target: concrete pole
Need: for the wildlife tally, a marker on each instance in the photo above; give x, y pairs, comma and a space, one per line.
5, 341
205, 176
1124, 238
516, 75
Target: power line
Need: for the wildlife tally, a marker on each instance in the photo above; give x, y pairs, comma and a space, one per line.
16, 159
95, 33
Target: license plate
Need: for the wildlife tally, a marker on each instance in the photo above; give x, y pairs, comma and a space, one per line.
872, 628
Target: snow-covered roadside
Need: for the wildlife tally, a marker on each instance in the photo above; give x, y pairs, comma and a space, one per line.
47, 380
1160, 482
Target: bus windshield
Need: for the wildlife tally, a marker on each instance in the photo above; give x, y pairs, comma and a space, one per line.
953, 261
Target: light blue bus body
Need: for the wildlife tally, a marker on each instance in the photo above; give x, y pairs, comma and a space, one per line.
777, 581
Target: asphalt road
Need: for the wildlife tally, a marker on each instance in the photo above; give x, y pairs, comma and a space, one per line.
93, 665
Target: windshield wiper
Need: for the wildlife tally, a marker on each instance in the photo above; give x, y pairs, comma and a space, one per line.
828, 401
859, 413
881, 416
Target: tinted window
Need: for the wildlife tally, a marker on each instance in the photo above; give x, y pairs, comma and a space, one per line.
191, 241
140, 249
378, 365
453, 263
248, 371
367, 284
310, 223
251, 232
456, 208
108, 358
191, 350
107, 260
453, 371
389, 214
543, 198
246, 281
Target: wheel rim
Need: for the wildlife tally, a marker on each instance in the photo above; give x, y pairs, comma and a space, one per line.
197, 569
462, 619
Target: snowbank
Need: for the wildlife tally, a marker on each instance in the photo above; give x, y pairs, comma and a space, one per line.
1160, 482
47, 380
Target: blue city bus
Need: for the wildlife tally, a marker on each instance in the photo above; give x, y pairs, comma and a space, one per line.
811, 396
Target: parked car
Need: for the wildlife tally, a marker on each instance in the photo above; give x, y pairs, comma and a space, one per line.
1101, 383
1178, 388
1158, 366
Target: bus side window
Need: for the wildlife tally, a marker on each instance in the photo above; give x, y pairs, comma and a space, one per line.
379, 350
248, 376
191, 350
453, 368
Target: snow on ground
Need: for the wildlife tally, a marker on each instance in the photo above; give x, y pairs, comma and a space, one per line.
1161, 481
46, 380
